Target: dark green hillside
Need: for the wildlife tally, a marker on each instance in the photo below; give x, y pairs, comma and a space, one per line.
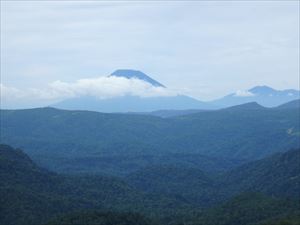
239, 133
247, 209
188, 184
30, 195
54, 137
277, 175
101, 218
168, 194
122, 165
291, 219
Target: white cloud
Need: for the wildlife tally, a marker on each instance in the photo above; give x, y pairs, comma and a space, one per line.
101, 87
243, 93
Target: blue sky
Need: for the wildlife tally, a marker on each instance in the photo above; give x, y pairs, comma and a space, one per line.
205, 49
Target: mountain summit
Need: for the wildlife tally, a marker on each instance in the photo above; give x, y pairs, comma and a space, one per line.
263, 95
132, 102
136, 74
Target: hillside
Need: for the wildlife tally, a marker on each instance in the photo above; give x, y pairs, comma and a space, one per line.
176, 182
247, 209
290, 105
36, 195
166, 194
101, 218
55, 137
278, 175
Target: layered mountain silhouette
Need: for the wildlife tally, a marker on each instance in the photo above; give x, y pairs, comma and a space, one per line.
263, 95
130, 103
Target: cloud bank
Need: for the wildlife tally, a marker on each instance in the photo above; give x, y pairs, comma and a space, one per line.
100, 87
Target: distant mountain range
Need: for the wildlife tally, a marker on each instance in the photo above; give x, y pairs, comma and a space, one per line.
263, 95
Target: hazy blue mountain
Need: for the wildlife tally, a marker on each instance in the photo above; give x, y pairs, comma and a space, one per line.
170, 113
129, 103
263, 95
136, 74
126, 104
290, 105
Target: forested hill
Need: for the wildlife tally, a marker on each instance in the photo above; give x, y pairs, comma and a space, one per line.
233, 132
163, 194
31, 195
278, 175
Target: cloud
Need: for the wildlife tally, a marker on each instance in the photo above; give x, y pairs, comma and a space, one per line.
243, 93
100, 87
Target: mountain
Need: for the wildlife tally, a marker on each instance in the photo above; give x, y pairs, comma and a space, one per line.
246, 106
176, 182
278, 175
290, 105
32, 195
129, 74
248, 209
263, 95
129, 103
101, 218
170, 113
59, 138
168, 194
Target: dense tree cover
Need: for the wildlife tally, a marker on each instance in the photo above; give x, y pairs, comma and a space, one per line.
247, 208
188, 184
60, 137
291, 219
101, 218
32, 195
277, 175
29, 194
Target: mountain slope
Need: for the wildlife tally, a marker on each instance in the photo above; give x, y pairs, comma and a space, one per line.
263, 95
51, 134
176, 182
31, 195
101, 218
290, 105
278, 175
247, 209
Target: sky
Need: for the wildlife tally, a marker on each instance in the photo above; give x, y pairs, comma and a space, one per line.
52, 50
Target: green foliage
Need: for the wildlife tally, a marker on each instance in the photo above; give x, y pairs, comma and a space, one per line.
29, 194
278, 175
187, 184
101, 218
247, 208
65, 140
291, 219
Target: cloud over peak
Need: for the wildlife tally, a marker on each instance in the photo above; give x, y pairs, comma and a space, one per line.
101, 87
